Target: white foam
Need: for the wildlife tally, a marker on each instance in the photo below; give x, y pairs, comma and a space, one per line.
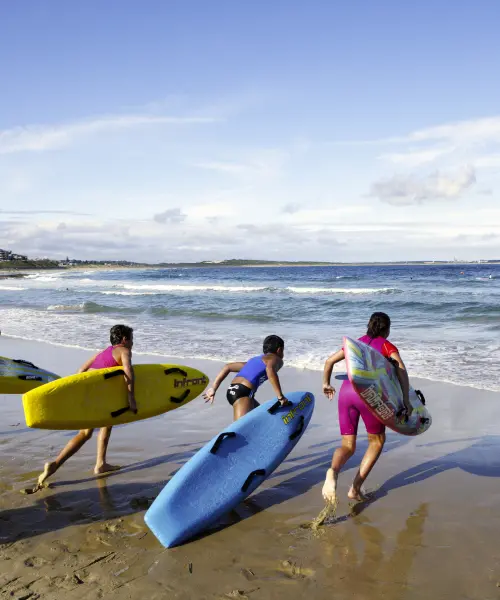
249, 288
195, 288
11, 288
110, 293
53, 307
315, 290
44, 277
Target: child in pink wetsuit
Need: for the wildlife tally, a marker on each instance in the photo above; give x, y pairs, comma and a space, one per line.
119, 354
351, 408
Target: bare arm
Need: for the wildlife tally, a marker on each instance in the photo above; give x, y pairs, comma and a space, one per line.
86, 365
234, 367
332, 360
404, 380
126, 361
273, 365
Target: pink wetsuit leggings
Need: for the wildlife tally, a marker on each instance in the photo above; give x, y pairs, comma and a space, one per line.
351, 407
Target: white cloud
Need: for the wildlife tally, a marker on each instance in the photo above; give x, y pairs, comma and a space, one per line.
474, 141
212, 208
145, 240
416, 158
261, 164
321, 216
37, 138
404, 191
469, 131
291, 208
172, 215
232, 168
184, 197
491, 161
462, 132
42, 212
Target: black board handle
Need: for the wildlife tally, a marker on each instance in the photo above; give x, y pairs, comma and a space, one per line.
114, 373
20, 361
249, 479
180, 399
274, 408
420, 396
120, 411
175, 370
220, 439
299, 430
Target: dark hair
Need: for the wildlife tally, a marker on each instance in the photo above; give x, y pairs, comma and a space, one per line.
118, 332
272, 344
378, 325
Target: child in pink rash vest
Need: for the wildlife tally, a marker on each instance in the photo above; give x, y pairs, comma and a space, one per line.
352, 407
118, 354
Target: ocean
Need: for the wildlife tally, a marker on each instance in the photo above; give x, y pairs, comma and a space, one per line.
445, 318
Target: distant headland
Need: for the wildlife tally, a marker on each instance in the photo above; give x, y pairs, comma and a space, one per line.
10, 262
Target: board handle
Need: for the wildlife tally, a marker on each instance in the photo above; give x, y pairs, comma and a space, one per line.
30, 378
175, 370
114, 373
274, 408
120, 411
299, 430
20, 361
248, 481
401, 412
420, 396
180, 399
220, 439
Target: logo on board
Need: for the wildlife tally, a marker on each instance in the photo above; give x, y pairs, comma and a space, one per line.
300, 407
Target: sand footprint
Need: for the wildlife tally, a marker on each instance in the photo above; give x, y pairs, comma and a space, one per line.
36, 562
292, 571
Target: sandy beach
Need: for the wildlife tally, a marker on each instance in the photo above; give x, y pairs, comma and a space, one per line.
429, 532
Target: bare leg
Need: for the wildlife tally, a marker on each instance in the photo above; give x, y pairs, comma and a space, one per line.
67, 452
375, 445
101, 466
242, 406
340, 457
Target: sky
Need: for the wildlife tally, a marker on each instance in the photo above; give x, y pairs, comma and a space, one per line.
186, 130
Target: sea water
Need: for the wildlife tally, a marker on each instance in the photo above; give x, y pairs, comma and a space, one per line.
445, 318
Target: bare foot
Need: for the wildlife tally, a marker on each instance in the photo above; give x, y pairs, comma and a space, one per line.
357, 495
35, 489
330, 487
106, 468
49, 469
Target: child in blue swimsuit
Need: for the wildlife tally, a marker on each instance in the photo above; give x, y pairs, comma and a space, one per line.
250, 376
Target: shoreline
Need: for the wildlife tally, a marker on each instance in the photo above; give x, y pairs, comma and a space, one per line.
85, 537
154, 356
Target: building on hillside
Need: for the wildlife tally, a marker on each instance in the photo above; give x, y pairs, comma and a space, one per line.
9, 255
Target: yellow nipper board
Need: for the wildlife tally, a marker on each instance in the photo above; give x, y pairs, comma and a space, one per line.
98, 398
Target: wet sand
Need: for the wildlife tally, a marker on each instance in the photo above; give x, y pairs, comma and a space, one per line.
431, 530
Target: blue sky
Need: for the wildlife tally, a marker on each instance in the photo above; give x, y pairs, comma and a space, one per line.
194, 130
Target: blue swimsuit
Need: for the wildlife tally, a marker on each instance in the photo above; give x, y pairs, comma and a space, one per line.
255, 372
